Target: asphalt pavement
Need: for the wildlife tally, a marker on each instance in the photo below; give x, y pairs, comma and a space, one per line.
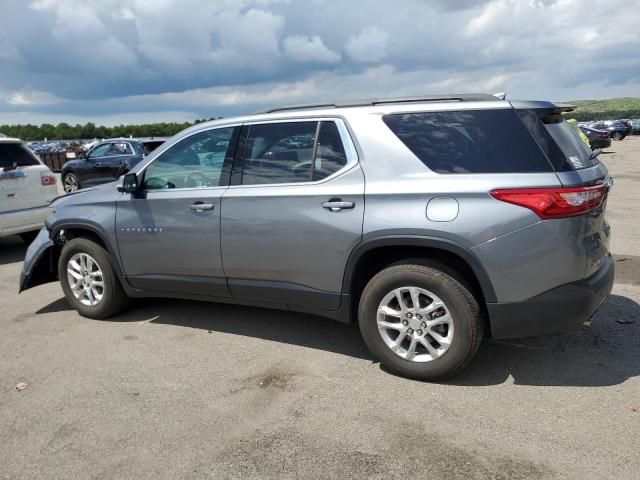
187, 390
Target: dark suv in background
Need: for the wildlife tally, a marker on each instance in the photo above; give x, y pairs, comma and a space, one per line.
105, 162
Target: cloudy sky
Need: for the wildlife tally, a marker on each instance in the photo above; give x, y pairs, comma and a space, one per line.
134, 61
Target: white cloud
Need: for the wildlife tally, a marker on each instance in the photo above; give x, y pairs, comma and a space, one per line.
370, 45
309, 49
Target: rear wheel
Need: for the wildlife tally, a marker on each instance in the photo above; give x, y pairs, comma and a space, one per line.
618, 136
89, 280
70, 182
420, 321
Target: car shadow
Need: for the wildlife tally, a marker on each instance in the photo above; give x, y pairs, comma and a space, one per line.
603, 353
12, 250
272, 325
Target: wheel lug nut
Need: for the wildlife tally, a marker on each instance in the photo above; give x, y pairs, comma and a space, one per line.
405, 323
419, 332
410, 331
409, 315
419, 317
423, 324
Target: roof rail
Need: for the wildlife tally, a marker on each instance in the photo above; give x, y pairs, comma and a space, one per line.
465, 97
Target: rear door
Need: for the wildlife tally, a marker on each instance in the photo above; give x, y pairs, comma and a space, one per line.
575, 166
169, 233
293, 213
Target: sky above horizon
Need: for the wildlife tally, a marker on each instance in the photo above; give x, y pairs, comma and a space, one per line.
142, 61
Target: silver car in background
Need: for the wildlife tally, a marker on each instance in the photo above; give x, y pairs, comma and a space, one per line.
430, 221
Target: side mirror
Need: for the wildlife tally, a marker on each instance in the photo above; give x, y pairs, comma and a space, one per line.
129, 183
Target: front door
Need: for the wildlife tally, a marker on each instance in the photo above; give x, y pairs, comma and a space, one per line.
289, 225
169, 233
114, 162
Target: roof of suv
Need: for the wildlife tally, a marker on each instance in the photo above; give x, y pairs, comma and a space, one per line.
385, 105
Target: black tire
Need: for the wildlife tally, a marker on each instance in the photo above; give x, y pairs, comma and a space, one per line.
464, 309
114, 299
70, 178
28, 237
618, 136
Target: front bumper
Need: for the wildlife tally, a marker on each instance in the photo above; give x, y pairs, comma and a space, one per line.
555, 310
37, 268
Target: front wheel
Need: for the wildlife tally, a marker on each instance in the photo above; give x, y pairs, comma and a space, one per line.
89, 281
70, 182
420, 321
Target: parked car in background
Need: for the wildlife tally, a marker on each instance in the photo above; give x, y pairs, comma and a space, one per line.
269, 210
618, 130
27, 187
582, 136
635, 127
105, 162
597, 138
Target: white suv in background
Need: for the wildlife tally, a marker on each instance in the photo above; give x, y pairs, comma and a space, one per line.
27, 187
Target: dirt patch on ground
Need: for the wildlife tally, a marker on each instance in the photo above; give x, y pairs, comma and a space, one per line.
288, 453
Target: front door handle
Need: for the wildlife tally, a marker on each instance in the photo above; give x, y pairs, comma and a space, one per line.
336, 204
201, 207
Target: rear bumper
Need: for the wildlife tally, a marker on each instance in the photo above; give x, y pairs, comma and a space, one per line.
555, 310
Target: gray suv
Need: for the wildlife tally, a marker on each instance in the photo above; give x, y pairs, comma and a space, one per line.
430, 221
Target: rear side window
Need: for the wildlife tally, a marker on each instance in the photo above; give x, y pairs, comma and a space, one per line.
470, 141
292, 152
16, 153
560, 142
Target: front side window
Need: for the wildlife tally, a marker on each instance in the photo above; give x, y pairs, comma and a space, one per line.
292, 152
194, 162
100, 151
469, 141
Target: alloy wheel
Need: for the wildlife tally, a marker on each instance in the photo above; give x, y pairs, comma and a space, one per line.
85, 279
415, 324
70, 183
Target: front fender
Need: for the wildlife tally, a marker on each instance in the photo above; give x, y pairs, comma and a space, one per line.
38, 266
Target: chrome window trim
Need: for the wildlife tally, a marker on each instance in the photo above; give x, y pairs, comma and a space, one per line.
347, 142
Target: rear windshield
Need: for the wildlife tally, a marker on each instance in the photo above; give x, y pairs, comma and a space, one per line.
469, 141
15, 153
560, 142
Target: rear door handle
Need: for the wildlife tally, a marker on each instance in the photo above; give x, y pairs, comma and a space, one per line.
337, 205
201, 207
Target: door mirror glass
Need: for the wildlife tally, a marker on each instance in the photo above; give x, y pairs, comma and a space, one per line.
129, 183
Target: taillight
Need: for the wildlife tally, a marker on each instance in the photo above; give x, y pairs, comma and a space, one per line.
550, 203
602, 135
47, 178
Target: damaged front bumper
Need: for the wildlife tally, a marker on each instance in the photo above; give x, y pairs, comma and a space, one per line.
38, 267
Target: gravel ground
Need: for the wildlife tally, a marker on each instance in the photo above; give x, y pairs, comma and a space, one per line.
177, 389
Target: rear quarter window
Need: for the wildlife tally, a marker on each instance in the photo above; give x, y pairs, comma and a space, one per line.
16, 153
469, 141
559, 141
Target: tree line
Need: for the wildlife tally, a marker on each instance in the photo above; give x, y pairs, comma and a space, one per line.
64, 131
